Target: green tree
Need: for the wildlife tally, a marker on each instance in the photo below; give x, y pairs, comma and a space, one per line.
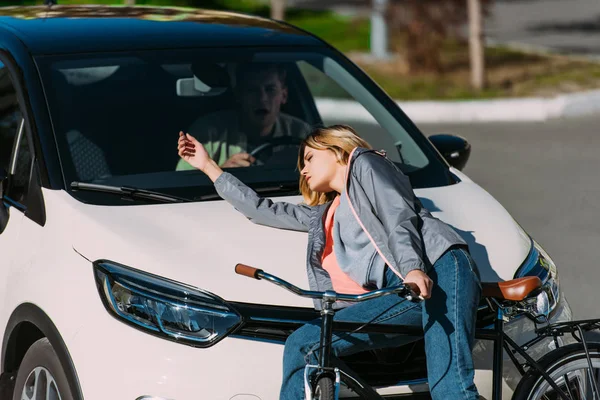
421, 28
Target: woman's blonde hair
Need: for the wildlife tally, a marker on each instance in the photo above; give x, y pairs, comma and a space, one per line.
341, 140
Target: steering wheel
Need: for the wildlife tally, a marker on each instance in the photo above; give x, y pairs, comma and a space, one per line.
274, 142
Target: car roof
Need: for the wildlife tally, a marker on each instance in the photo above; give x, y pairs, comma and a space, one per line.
82, 29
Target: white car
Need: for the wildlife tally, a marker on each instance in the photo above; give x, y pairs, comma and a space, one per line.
116, 270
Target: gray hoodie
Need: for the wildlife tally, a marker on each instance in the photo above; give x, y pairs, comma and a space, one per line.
379, 222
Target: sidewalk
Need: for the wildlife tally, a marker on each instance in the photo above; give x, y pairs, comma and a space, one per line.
498, 110
570, 28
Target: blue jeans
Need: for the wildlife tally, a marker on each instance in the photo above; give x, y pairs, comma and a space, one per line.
448, 320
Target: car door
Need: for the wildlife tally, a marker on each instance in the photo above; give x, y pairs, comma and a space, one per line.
16, 164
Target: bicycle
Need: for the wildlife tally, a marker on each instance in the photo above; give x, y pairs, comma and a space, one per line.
568, 372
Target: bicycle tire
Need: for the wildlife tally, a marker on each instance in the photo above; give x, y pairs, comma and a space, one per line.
324, 389
352, 388
564, 361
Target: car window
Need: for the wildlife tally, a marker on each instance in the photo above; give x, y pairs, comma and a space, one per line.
21, 167
335, 89
15, 154
10, 117
116, 118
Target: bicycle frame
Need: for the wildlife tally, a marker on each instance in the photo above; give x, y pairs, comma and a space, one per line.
328, 299
323, 366
501, 341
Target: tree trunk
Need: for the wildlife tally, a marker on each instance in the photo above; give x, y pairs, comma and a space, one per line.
278, 9
130, 2
476, 47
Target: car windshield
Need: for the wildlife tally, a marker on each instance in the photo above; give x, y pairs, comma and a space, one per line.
116, 118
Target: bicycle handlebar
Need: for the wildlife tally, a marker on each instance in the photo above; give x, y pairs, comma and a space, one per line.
246, 270
410, 290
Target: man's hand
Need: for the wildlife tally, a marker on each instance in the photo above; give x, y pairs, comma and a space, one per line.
239, 160
423, 282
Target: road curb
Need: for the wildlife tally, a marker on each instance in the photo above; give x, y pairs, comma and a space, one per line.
498, 110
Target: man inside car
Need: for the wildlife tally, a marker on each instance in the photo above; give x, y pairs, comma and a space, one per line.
230, 135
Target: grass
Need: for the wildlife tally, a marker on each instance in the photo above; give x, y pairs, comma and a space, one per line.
509, 73
344, 33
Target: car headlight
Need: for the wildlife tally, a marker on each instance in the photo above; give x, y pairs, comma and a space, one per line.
539, 263
163, 307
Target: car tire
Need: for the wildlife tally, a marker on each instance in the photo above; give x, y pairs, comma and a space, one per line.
40, 366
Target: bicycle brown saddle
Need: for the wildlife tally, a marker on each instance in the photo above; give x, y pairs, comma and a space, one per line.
515, 289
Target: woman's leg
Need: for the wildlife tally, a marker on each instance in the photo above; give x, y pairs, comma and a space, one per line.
449, 324
301, 347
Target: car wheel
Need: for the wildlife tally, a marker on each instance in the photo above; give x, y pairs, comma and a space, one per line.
40, 375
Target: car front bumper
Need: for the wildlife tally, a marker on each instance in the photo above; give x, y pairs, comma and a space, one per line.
120, 362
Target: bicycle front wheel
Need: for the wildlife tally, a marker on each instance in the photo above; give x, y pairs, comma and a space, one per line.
324, 389
569, 368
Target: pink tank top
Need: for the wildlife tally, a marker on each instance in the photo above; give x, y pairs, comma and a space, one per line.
342, 283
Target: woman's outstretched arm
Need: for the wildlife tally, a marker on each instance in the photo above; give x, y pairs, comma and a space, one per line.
259, 210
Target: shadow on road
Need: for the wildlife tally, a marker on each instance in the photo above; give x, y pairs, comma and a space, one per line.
585, 26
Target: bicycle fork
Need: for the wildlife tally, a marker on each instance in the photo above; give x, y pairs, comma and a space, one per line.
324, 356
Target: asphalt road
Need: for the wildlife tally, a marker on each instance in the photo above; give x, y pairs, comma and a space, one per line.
571, 26
567, 26
547, 175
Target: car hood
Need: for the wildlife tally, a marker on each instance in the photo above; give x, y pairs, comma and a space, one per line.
200, 243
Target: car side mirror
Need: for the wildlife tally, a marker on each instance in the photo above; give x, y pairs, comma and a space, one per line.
3, 209
455, 149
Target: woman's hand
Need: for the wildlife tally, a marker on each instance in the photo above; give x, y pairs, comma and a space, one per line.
422, 280
192, 151
196, 155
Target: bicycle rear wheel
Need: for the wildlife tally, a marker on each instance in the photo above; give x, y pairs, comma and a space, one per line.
568, 367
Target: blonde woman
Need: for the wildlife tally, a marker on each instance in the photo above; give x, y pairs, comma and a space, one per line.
367, 230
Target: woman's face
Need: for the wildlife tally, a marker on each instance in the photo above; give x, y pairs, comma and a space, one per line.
320, 169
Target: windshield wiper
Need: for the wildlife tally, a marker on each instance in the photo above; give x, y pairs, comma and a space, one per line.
282, 187
128, 191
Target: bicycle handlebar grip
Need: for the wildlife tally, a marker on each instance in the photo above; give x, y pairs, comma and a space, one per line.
413, 287
246, 270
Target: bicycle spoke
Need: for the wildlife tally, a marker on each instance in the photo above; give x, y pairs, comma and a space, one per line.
597, 376
594, 375
575, 384
590, 379
588, 386
594, 381
568, 385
